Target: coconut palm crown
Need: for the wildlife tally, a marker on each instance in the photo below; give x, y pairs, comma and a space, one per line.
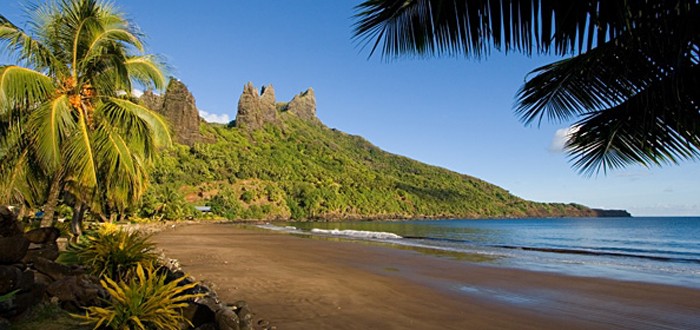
66, 111
632, 80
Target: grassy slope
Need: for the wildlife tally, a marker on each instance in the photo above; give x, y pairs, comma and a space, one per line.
305, 170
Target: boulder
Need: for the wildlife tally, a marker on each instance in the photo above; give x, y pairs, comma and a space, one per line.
76, 291
12, 249
53, 269
43, 235
26, 299
10, 278
46, 251
27, 281
8, 223
199, 314
42, 279
245, 316
226, 319
207, 326
21, 301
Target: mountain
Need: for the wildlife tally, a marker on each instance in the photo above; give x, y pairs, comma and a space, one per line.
278, 161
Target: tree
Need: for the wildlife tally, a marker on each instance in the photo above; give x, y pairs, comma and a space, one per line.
69, 110
632, 81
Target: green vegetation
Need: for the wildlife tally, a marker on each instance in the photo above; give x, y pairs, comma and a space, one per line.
145, 301
112, 252
631, 81
304, 170
68, 125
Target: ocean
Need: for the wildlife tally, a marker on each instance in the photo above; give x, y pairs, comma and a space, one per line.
662, 250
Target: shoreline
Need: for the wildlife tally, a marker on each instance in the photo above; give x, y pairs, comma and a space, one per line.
298, 283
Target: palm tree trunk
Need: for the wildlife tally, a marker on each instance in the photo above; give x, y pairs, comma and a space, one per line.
76, 224
52, 200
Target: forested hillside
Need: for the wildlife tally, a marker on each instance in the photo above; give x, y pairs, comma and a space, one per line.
291, 166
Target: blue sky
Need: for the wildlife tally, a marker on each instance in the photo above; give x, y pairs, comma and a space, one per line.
453, 113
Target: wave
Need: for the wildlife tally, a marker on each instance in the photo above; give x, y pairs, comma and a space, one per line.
626, 253
599, 253
356, 233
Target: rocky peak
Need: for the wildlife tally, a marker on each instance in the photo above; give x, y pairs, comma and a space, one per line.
254, 111
179, 108
304, 105
151, 100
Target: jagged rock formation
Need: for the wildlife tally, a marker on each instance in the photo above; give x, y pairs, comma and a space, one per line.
304, 105
254, 111
151, 100
178, 107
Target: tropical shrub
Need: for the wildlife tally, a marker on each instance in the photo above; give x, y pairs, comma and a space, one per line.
112, 252
145, 301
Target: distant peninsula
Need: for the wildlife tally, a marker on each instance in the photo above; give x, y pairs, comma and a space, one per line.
278, 161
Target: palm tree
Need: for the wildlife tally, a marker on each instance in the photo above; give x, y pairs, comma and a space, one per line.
632, 79
69, 109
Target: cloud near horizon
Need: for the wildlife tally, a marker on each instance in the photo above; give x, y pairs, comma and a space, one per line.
559, 139
214, 118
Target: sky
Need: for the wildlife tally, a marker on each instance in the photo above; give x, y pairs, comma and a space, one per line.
455, 113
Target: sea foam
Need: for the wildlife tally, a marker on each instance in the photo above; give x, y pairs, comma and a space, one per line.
356, 233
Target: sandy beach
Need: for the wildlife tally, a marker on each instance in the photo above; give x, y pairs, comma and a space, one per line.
302, 283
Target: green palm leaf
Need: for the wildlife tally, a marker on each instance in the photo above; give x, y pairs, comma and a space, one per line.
142, 121
147, 71
50, 125
22, 87
79, 156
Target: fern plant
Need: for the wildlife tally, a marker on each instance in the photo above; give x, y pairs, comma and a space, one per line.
112, 252
144, 302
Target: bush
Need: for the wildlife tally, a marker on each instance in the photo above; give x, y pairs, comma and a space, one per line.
112, 252
145, 301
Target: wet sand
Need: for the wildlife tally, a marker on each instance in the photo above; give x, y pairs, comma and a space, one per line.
302, 283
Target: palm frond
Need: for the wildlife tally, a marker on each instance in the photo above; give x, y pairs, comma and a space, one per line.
22, 88
79, 155
22, 180
122, 175
141, 121
49, 125
147, 71
657, 126
596, 80
24, 46
472, 27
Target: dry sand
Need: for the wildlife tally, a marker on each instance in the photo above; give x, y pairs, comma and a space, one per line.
302, 283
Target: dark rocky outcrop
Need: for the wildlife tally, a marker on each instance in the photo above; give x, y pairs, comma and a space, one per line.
601, 213
179, 108
254, 111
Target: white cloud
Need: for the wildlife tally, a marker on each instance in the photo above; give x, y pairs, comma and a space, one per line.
136, 92
560, 138
214, 118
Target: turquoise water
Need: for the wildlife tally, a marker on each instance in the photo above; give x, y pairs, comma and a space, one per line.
649, 249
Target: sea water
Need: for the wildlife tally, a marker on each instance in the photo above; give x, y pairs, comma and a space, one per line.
649, 249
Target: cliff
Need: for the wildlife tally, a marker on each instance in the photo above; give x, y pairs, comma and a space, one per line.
256, 110
179, 108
